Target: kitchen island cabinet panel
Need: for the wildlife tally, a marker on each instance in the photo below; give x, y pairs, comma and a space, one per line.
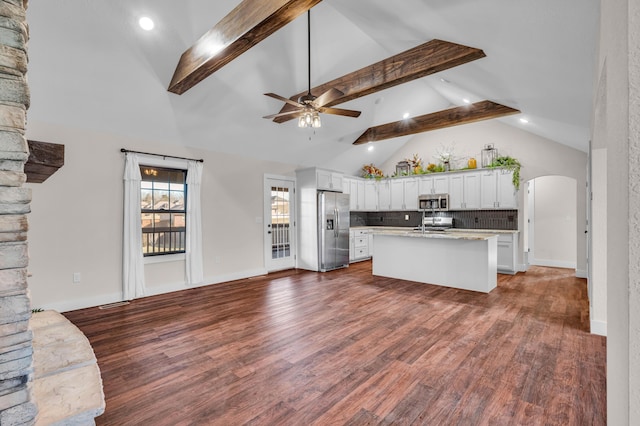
468, 263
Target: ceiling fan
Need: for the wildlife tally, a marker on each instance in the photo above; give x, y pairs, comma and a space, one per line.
309, 106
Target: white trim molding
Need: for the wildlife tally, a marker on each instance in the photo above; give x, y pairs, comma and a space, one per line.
598, 327
553, 263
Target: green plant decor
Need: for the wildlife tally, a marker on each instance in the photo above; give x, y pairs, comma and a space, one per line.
510, 164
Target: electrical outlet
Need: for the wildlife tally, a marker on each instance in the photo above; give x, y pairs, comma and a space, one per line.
406, 217
77, 277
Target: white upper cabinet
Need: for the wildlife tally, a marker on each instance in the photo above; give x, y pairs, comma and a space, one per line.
438, 184
456, 192
355, 188
404, 194
384, 194
425, 185
441, 184
497, 190
396, 196
507, 193
328, 180
471, 190
370, 195
468, 190
464, 191
488, 189
410, 194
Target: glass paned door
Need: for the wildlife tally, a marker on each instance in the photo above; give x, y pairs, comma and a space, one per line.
279, 224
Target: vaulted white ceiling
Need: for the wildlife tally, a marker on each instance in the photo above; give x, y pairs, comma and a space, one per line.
92, 67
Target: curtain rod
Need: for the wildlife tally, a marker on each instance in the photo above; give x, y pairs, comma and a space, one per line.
161, 155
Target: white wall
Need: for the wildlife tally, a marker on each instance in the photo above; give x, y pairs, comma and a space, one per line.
538, 156
77, 214
554, 222
616, 128
599, 243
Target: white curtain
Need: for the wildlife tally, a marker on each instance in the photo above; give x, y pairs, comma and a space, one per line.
132, 265
195, 274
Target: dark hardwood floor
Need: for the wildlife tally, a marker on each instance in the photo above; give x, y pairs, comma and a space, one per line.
344, 347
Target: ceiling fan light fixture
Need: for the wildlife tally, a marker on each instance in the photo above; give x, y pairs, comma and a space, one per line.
309, 118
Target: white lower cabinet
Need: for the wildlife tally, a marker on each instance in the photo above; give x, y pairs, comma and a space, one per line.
358, 245
507, 253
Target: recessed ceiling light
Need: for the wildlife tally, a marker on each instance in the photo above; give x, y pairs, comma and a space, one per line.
466, 101
524, 120
370, 147
405, 115
146, 23
444, 80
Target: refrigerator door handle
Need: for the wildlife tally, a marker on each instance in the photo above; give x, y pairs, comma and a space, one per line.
336, 229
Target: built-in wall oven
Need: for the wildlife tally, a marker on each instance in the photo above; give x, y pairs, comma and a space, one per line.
433, 202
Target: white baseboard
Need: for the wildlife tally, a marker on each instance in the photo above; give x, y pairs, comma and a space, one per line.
553, 263
105, 299
522, 267
217, 279
599, 328
87, 302
581, 273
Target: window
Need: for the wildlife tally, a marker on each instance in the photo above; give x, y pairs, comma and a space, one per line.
163, 194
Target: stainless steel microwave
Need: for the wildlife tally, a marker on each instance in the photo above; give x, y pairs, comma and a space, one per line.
433, 202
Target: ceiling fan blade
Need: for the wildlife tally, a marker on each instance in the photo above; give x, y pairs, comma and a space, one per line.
328, 96
283, 99
282, 114
340, 111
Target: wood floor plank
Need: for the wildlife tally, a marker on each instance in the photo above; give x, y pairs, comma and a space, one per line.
345, 347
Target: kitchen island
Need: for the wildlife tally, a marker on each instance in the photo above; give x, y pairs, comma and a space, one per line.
461, 260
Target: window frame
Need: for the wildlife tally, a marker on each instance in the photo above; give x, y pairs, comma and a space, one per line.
170, 165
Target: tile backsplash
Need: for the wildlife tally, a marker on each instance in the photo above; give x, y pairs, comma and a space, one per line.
467, 219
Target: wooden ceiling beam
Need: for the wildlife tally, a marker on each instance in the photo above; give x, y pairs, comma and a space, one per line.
428, 58
45, 158
245, 26
483, 110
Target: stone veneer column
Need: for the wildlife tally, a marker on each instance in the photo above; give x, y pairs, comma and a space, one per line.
16, 348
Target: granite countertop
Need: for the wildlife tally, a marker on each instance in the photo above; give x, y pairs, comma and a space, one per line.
433, 234
456, 230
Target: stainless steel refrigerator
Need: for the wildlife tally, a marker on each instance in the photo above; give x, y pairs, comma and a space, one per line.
333, 230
